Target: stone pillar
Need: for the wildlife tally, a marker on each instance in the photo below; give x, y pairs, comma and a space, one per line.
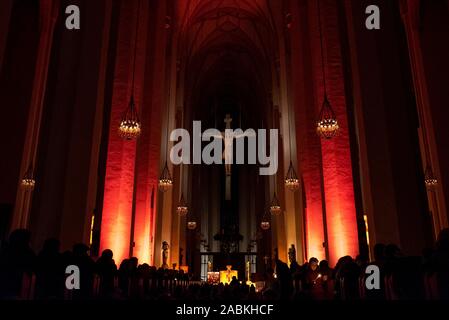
432, 38
121, 154
49, 12
392, 179
308, 142
411, 18
338, 186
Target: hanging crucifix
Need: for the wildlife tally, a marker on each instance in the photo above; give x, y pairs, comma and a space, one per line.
228, 153
228, 137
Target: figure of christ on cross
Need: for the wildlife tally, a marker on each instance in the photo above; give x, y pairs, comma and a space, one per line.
228, 155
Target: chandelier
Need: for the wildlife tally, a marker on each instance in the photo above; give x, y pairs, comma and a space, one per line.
182, 208
292, 181
275, 206
429, 178
265, 225
191, 225
165, 180
28, 181
130, 126
327, 124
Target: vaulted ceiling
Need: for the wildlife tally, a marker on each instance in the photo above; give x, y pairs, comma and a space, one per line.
229, 48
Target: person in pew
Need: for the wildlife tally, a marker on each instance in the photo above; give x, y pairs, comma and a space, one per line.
50, 271
106, 270
80, 257
16, 260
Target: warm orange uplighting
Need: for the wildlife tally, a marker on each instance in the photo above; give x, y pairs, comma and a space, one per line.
340, 207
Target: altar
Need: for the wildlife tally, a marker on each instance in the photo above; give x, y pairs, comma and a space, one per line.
223, 276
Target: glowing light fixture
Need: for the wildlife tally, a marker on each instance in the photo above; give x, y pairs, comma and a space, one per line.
191, 225
130, 127
291, 180
182, 208
429, 178
327, 125
165, 180
265, 222
28, 181
275, 206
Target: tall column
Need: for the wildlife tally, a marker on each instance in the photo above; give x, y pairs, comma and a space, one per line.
159, 142
120, 163
387, 127
291, 232
49, 12
341, 221
411, 18
432, 38
308, 142
145, 192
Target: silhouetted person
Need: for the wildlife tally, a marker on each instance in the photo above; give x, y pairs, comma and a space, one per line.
271, 290
106, 270
50, 273
311, 274
16, 259
285, 279
347, 273
86, 266
123, 277
312, 278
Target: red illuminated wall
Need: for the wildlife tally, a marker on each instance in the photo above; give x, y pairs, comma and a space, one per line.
132, 168
336, 155
325, 165
148, 152
119, 180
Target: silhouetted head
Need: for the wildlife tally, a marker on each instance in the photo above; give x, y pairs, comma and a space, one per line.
107, 254
361, 260
133, 262
313, 263
379, 252
324, 265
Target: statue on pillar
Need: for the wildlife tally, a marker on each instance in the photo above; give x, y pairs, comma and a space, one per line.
165, 247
